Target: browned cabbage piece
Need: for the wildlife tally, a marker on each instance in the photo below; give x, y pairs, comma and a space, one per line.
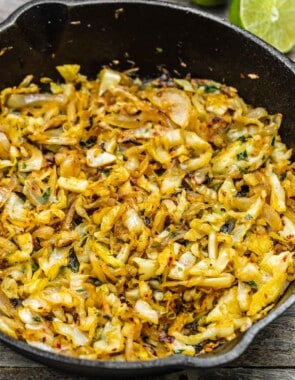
139, 219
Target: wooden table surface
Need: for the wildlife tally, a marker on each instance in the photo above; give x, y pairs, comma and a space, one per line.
270, 356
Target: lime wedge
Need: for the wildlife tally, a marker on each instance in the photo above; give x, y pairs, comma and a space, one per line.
209, 3
271, 20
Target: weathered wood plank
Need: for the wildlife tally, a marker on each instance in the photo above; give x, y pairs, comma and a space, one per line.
220, 374
9, 358
233, 374
274, 346
8, 6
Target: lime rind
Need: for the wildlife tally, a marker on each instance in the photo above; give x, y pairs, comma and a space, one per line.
234, 13
271, 20
209, 3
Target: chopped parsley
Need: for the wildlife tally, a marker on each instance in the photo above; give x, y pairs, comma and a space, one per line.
244, 170
178, 351
107, 172
74, 263
210, 88
155, 244
35, 267
252, 284
242, 155
45, 196
283, 176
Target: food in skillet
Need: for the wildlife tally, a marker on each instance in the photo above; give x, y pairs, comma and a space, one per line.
139, 219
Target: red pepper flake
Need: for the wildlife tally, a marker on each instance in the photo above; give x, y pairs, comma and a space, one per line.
163, 337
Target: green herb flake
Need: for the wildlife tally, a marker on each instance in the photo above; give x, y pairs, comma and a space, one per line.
35, 267
45, 196
83, 241
155, 244
248, 217
242, 138
107, 172
178, 351
37, 319
209, 89
74, 263
159, 50
283, 176
242, 155
252, 284
244, 170
173, 234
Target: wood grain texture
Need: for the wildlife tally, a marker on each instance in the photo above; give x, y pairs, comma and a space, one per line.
220, 374
270, 356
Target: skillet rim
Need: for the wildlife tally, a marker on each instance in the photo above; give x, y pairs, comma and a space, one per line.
174, 361
13, 17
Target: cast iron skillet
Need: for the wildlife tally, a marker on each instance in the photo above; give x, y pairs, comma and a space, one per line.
41, 35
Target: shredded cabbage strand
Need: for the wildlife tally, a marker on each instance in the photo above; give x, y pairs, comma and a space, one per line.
139, 219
